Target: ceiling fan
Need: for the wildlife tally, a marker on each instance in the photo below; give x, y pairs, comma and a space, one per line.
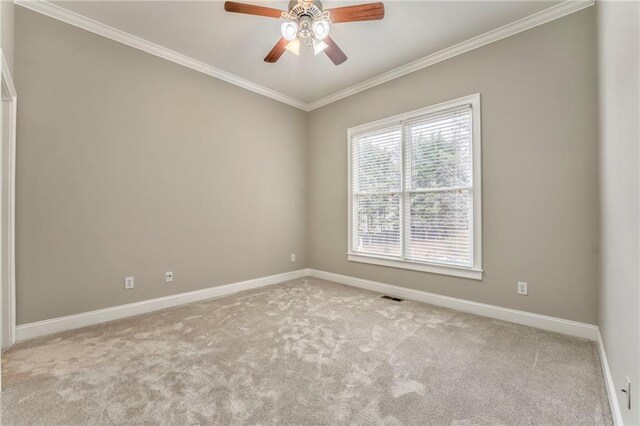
307, 22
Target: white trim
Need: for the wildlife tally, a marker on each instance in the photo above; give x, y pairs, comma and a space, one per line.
474, 274
610, 385
54, 11
55, 325
7, 82
547, 15
475, 270
554, 12
558, 325
473, 100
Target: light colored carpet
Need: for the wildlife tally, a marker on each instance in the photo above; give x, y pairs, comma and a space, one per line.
305, 352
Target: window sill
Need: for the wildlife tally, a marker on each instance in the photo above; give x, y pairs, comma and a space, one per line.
474, 274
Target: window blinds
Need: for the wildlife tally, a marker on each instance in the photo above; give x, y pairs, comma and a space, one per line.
412, 189
377, 186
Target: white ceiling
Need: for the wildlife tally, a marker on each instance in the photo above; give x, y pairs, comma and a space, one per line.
238, 43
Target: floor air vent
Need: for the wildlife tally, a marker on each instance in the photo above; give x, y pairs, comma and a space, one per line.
395, 299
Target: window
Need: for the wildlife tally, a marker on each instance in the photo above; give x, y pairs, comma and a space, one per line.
414, 186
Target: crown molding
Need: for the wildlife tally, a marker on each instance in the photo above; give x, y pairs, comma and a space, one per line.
54, 11
554, 12
539, 18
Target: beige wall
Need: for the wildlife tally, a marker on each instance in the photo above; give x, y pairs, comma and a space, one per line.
131, 165
128, 164
7, 9
619, 55
7, 17
540, 160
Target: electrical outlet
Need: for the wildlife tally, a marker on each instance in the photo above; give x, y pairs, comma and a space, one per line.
522, 288
293, 257
128, 283
168, 276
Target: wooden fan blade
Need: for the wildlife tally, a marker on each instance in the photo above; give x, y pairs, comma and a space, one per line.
251, 9
277, 51
334, 53
360, 12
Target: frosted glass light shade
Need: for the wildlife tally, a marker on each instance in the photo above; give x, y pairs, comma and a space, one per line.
319, 46
320, 29
289, 30
294, 47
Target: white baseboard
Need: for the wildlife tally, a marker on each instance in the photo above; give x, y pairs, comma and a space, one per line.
558, 325
41, 328
572, 328
608, 380
55, 325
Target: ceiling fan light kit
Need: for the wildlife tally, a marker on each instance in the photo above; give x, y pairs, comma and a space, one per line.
319, 46
294, 46
308, 22
321, 29
289, 30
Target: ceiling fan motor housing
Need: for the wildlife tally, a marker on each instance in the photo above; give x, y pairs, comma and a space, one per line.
299, 8
309, 21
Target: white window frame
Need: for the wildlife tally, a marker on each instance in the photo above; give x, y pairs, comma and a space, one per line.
473, 272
